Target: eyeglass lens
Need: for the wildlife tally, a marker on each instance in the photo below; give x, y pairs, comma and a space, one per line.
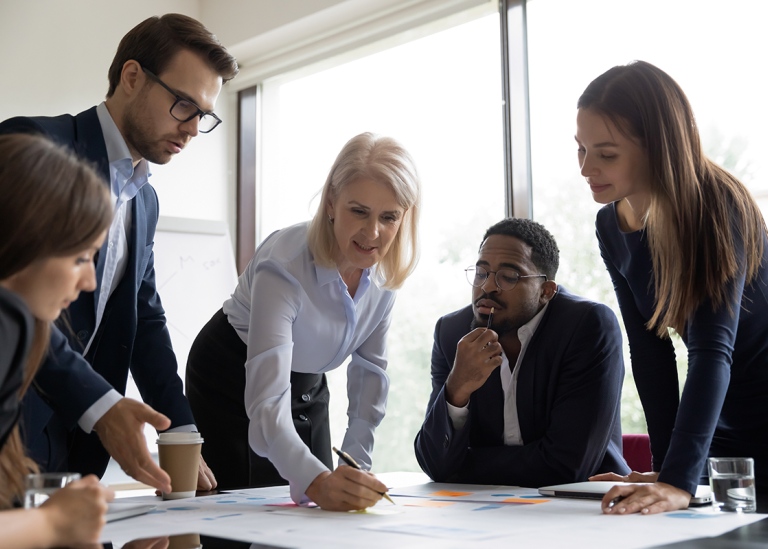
505, 278
184, 111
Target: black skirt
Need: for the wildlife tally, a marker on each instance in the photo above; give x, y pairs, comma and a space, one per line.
215, 385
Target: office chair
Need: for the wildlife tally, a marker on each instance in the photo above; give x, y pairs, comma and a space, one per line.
637, 452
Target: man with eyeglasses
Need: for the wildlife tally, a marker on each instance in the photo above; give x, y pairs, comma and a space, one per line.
526, 381
164, 81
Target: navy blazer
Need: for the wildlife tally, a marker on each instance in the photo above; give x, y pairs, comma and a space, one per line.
131, 336
568, 404
16, 331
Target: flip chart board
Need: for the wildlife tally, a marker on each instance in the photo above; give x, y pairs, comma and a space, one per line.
195, 273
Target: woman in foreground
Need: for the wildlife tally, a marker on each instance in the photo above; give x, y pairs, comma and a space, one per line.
54, 213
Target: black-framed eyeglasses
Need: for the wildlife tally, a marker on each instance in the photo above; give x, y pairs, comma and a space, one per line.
185, 110
506, 279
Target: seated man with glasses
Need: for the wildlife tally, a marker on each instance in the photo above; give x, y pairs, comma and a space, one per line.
164, 81
526, 381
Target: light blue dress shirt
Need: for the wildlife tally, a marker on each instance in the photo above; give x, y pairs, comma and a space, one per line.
296, 316
126, 180
125, 183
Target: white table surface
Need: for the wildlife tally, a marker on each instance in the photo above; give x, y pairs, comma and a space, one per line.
426, 514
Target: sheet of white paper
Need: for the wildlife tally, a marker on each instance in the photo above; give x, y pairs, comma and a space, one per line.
429, 515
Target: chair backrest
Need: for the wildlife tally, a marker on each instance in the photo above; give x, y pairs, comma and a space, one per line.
637, 452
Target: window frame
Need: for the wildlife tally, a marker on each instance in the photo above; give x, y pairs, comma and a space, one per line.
514, 95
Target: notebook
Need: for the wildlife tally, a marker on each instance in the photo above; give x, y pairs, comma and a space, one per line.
597, 489
118, 510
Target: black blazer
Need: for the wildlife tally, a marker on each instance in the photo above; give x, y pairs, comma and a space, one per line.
568, 404
132, 334
16, 330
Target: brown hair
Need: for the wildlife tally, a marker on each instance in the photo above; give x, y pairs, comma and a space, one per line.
53, 205
701, 219
384, 160
155, 41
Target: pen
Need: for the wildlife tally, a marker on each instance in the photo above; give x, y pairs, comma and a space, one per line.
490, 318
614, 501
346, 458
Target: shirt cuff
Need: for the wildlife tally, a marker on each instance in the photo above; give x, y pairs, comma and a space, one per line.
310, 470
97, 410
458, 415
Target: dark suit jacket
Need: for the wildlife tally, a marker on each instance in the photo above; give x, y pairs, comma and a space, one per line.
568, 403
16, 330
132, 334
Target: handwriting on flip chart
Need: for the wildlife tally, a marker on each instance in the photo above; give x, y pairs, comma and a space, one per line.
194, 274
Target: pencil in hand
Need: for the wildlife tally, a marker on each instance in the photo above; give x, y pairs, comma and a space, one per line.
346, 458
490, 318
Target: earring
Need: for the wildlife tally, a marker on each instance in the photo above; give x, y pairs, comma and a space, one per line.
330, 219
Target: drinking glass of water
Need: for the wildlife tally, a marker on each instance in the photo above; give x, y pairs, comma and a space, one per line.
40, 486
733, 484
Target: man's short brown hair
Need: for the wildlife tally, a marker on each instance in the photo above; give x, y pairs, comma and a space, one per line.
155, 41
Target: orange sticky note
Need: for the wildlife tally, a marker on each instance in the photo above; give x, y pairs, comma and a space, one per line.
450, 494
524, 500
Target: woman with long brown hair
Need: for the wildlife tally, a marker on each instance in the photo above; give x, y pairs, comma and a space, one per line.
54, 213
684, 243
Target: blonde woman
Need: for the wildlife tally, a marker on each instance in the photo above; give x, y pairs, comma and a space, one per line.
314, 295
53, 218
684, 243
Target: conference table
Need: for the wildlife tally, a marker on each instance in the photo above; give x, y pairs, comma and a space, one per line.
425, 514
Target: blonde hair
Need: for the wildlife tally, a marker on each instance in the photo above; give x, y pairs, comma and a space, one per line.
703, 226
53, 205
384, 160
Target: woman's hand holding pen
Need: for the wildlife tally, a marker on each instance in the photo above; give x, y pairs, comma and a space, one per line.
345, 489
477, 355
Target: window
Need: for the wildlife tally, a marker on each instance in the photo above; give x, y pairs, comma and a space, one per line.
713, 50
438, 95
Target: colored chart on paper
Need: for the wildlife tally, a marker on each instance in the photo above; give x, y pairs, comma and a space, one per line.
473, 494
450, 494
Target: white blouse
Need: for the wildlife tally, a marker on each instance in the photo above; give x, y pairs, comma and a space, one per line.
296, 316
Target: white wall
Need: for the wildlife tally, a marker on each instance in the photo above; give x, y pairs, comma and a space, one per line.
240, 20
54, 59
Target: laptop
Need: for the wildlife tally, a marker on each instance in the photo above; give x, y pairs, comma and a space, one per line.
118, 511
597, 489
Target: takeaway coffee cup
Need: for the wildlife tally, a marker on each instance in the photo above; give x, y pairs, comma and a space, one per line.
180, 458
184, 541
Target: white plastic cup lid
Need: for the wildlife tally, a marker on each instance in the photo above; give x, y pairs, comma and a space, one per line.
179, 438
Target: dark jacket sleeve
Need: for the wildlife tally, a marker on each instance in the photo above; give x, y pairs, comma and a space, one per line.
67, 382
16, 329
153, 362
440, 450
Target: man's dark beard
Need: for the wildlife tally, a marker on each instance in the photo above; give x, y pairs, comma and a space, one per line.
136, 135
138, 140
